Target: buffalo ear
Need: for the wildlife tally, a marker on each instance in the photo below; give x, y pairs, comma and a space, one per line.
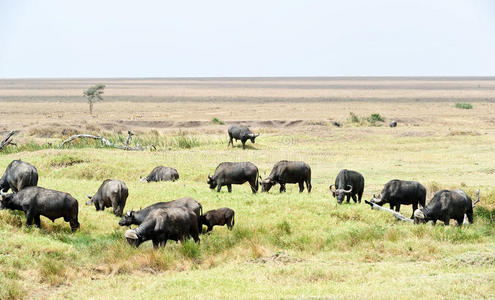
89, 196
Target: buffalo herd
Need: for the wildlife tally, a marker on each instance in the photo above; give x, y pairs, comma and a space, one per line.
183, 218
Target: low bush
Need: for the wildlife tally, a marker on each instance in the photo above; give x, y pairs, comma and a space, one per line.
463, 105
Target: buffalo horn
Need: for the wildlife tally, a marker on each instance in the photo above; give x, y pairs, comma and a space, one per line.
349, 190
333, 190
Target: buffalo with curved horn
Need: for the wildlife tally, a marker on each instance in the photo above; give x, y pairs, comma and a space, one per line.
353, 180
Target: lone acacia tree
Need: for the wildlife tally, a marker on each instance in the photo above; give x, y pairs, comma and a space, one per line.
93, 94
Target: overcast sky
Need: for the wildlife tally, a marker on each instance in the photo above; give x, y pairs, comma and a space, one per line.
254, 38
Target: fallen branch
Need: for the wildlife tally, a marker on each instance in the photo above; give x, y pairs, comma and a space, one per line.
7, 140
102, 139
397, 215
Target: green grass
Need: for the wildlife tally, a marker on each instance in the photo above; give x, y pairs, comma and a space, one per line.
282, 245
464, 105
217, 121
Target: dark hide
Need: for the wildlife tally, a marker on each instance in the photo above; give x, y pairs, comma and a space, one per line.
218, 217
112, 193
229, 173
285, 172
37, 201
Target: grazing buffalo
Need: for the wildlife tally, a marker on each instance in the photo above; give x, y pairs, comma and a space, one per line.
229, 173
218, 217
446, 205
37, 201
241, 132
393, 123
288, 172
112, 193
348, 183
138, 217
173, 223
161, 173
397, 192
18, 175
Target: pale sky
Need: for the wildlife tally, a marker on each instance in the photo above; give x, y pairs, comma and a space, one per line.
209, 38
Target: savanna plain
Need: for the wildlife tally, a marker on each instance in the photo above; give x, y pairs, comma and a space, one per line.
290, 245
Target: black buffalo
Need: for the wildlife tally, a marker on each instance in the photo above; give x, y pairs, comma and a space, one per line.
218, 217
288, 172
112, 193
162, 173
173, 223
348, 183
138, 217
229, 173
397, 192
241, 132
37, 201
18, 175
446, 205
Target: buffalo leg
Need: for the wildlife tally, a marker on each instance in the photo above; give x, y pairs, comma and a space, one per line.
360, 196
243, 144
348, 198
354, 198
156, 243
229, 188
469, 215
231, 141
397, 207
434, 222
415, 206
29, 218
219, 187
446, 221
460, 221
74, 224
254, 185
308, 185
301, 187
282, 187
37, 221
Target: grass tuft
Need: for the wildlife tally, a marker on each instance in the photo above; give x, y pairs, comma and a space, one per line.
464, 105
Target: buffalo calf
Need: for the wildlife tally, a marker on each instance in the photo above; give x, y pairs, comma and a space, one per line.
218, 217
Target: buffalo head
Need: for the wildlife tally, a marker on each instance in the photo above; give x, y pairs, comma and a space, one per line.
127, 219
132, 238
5, 199
90, 199
340, 193
143, 179
266, 184
253, 136
419, 216
377, 200
212, 182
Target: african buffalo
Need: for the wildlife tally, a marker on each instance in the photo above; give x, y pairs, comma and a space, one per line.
173, 223
161, 173
288, 172
348, 183
393, 123
446, 205
397, 192
241, 132
228, 173
218, 217
37, 201
138, 217
18, 175
112, 193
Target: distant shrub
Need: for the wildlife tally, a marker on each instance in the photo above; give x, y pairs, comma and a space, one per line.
375, 118
463, 105
372, 120
217, 121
